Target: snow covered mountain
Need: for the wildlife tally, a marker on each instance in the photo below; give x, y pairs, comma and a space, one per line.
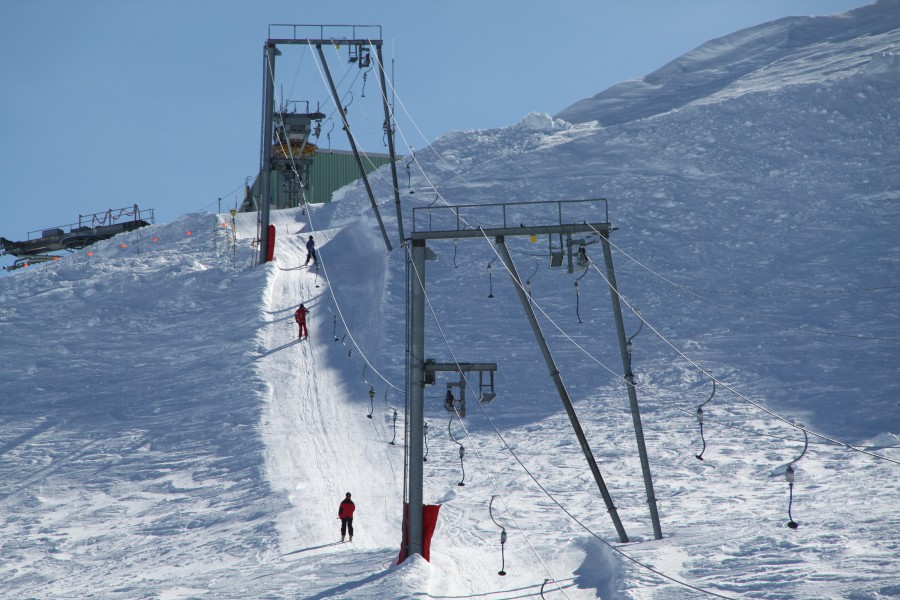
164, 435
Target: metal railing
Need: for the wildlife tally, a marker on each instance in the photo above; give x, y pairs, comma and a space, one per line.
336, 33
527, 215
99, 219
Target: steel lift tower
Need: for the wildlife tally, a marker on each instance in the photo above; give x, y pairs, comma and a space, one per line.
360, 39
497, 222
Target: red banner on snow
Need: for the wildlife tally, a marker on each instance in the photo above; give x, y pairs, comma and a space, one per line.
270, 250
429, 521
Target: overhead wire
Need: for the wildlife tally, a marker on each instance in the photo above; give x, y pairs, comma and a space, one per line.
756, 316
808, 292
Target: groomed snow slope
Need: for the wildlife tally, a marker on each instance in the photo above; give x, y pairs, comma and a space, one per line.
165, 435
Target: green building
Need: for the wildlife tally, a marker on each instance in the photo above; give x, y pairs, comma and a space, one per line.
322, 173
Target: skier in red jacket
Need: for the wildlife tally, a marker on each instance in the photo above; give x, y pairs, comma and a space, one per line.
300, 317
345, 514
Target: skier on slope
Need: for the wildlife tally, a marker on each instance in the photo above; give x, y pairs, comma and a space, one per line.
311, 251
345, 514
300, 317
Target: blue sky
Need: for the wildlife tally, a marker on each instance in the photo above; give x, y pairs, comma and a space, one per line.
109, 103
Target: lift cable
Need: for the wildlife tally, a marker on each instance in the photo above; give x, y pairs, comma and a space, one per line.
796, 294
363, 155
297, 72
582, 525
409, 147
749, 314
733, 390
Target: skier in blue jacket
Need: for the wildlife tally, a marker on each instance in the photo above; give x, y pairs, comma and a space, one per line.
311, 251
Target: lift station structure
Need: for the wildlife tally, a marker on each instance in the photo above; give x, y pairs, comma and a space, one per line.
497, 222
41, 245
285, 146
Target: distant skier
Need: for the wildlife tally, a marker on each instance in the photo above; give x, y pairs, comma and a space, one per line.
311, 251
345, 514
300, 317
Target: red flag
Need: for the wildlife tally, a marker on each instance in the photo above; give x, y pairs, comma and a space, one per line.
270, 251
429, 522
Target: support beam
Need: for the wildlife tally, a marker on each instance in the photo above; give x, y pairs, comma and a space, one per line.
416, 416
629, 380
359, 164
389, 131
560, 387
265, 168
